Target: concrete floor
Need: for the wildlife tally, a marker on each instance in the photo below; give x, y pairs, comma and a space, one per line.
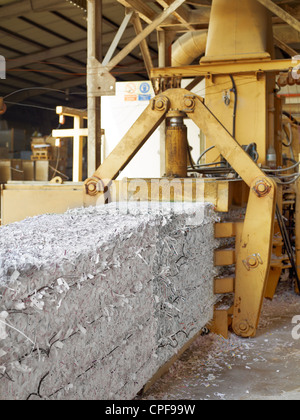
264, 368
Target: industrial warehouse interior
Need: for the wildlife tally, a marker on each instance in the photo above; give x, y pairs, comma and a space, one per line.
150, 202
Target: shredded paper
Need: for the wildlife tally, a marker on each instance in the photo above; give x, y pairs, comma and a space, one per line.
94, 301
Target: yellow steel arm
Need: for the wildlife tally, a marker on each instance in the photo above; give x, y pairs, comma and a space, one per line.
131, 143
254, 250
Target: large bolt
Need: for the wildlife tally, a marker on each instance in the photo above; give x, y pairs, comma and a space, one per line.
91, 186
262, 188
252, 261
160, 104
243, 329
189, 103
243, 326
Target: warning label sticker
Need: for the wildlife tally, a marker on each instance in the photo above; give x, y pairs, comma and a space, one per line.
138, 91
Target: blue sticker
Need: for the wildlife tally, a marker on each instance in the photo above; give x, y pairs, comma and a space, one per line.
144, 97
145, 88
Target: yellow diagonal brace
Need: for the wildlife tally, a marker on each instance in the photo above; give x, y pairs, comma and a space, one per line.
253, 261
132, 142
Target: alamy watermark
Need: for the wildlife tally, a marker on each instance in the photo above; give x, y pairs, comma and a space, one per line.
171, 196
2, 67
296, 329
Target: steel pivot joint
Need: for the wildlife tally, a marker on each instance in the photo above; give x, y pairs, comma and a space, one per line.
160, 103
262, 187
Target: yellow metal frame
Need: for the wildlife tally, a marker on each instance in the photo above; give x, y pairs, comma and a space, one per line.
253, 254
20, 200
225, 68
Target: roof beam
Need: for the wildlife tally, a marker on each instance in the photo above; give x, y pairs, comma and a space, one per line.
285, 47
145, 11
144, 34
22, 7
69, 48
200, 2
143, 45
61, 51
117, 38
278, 11
192, 18
181, 13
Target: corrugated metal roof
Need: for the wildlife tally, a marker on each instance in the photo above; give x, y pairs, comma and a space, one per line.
31, 30
28, 28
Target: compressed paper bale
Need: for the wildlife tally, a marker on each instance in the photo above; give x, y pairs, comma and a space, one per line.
95, 301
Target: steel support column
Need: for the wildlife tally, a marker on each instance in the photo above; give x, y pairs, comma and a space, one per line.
94, 8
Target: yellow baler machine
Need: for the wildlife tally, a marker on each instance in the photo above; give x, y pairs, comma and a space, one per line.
241, 118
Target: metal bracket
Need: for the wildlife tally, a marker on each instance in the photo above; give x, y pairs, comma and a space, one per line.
99, 81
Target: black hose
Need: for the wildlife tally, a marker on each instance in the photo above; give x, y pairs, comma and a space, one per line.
287, 243
293, 119
234, 90
204, 153
190, 155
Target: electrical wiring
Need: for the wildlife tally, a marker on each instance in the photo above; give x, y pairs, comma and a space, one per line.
204, 153
33, 88
81, 93
289, 136
288, 182
281, 170
205, 89
205, 164
37, 88
291, 160
79, 74
116, 72
190, 155
290, 116
287, 243
31, 106
213, 171
288, 176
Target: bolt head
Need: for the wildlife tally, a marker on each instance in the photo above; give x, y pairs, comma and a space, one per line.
159, 104
262, 188
188, 102
252, 261
243, 326
92, 187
